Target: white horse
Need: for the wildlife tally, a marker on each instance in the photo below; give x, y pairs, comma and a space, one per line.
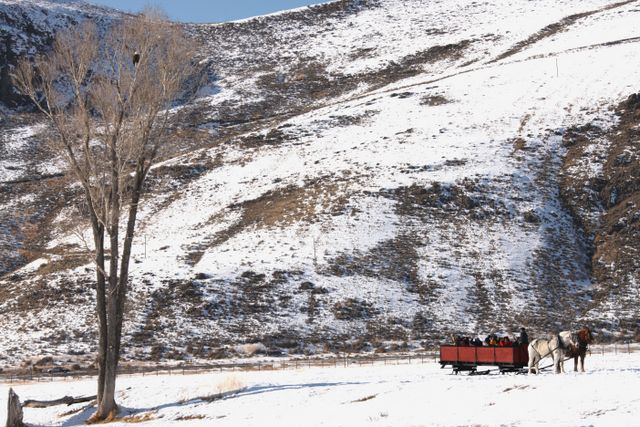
556, 347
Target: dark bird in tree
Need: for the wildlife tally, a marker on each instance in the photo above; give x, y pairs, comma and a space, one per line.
136, 58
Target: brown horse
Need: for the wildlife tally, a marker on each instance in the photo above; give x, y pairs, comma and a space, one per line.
583, 338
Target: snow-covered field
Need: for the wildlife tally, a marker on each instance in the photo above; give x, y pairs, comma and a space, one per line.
393, 395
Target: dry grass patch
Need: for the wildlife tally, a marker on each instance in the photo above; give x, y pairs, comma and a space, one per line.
277, 208
519, 144
251, 349
190, 417
230, 383
139, 418
364, 399
292, 204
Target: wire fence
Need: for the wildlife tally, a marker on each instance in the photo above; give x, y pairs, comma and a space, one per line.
284, 363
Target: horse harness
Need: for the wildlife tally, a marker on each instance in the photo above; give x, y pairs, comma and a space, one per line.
551, 350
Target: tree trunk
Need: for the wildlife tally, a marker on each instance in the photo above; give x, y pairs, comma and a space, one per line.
14, 410
100, 306
98, 228
115, 304
107, 408
126, 250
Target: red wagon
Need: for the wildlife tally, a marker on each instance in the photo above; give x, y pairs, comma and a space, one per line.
468, 358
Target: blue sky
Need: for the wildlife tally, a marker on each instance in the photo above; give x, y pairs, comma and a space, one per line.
208, 10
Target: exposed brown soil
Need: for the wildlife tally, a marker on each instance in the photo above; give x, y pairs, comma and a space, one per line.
353, 309
300, 85
310, 83
273, 137
395, 259
280, 207
608, 206
335, 121
40, 294
31, 222
465, 198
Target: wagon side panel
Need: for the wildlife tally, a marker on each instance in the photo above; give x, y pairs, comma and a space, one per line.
448, 354
467, 354
505, 355
486, 355
521, 355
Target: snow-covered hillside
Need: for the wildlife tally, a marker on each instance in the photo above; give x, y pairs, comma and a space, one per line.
351, 176
28, 27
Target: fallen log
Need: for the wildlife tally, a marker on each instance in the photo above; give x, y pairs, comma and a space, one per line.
14, 410
67, 400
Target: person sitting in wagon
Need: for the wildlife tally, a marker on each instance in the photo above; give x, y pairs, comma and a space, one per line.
505, 342
489, 338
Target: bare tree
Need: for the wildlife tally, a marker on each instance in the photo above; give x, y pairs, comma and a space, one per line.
108, 98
